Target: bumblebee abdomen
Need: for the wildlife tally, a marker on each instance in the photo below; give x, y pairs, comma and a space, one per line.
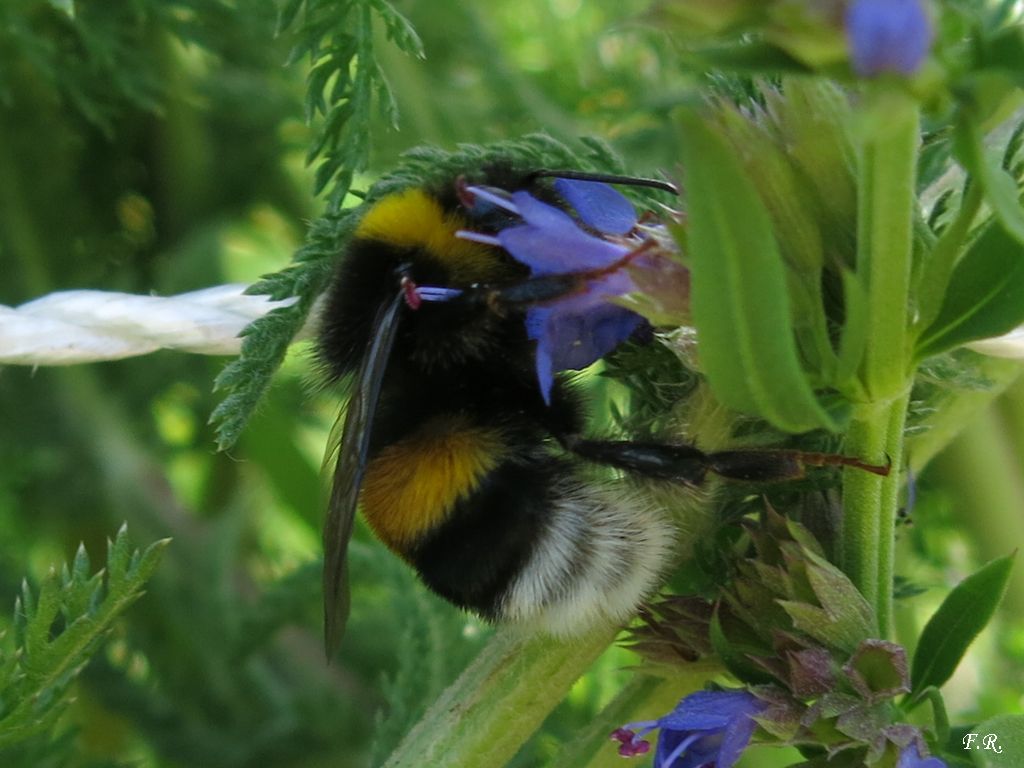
496, 523
413, 485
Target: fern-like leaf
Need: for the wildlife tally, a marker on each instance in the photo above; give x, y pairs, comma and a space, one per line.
58, 628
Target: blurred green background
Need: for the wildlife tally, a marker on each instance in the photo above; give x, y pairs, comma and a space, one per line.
150, 146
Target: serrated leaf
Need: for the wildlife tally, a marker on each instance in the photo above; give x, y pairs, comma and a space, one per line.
985, 296
739, 296
37, 633
35, 678
118, 554
961, 617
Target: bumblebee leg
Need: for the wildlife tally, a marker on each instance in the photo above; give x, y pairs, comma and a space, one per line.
662, 461
780, 465
690, 465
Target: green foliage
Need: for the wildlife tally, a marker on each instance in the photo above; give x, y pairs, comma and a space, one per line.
1009, 732
96, 58
953, 627
344, 78
58, 628
159, 146
999, 188
739, 291
985, 296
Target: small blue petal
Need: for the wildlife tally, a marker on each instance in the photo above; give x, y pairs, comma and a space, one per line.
574, 333
545, 368
558, 252
598, 205
707, 728
910, 757
542, 215
887, 36
709, 709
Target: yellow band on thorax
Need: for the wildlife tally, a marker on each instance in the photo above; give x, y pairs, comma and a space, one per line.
414, 219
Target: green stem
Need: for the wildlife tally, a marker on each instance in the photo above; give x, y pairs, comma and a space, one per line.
497, 703
870, 504
885, 218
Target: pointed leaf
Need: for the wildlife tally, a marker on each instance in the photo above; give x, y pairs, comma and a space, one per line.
962, 615
739, 295
985, 296
1001, 192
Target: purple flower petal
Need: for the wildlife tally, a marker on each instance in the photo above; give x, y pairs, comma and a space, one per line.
558, 252
599, 206
706, 710
574, 330
573, 333
887, 36
910, 757
707, 728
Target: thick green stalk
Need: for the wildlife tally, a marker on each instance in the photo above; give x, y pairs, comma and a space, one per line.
870, 504
885, 215
498, 702
886, 203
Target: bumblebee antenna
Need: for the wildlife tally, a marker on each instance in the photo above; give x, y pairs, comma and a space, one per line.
607, 178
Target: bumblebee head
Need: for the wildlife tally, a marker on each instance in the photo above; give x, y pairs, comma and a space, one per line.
411, 236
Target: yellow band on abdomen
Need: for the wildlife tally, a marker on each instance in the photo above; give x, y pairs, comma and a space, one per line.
412, 486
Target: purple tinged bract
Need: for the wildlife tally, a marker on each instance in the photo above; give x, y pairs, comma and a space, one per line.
707, 728
887, 36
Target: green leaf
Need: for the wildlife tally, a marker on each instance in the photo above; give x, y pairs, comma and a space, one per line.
953, 627
740, 300
35, 678
736, 655
753, 56
1009, 740
853, 338
985, 296
1001, 192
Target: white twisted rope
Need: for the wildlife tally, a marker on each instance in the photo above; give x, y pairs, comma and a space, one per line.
72, 327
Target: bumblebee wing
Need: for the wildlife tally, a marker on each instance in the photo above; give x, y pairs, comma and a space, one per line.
348, 473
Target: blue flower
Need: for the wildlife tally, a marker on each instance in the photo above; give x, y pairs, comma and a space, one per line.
706, 729
910, 757
887, 36
577, 329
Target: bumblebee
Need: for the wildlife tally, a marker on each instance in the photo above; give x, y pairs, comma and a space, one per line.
461, 465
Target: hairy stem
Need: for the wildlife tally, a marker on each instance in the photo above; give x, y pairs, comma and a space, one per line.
497, 703
885, 218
